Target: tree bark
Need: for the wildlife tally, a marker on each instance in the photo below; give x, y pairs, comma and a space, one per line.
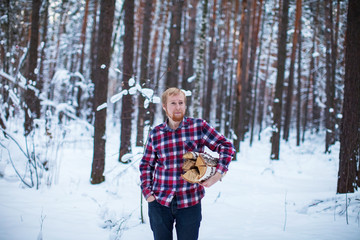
143, 117
277, 106
174, 45
107, 9
349, 165
241, 75
330, 84
200, 63
128, 58
32, 102
211, 63
290, 89
299, 87
254, 45
262, 91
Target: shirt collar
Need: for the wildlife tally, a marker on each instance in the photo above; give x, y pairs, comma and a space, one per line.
167, 128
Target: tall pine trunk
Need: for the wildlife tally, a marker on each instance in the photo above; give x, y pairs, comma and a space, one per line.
200, 62
128, 57
32, 102
254, 46
211, 63
174, 45
107, 9
143, 116
290, 89
241, 75
279, 87
330, 84
349, 165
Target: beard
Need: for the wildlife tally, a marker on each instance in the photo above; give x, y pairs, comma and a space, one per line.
175, 118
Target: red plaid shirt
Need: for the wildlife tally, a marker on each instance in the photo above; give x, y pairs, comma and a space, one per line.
161, 165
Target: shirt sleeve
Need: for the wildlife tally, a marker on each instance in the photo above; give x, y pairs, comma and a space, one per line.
218, 143
147, 167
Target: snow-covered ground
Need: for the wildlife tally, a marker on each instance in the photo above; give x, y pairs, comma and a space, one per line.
294, 198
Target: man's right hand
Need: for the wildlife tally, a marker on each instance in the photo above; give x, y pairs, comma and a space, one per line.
150, 199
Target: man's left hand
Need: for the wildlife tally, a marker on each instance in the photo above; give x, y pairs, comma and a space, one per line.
211, 181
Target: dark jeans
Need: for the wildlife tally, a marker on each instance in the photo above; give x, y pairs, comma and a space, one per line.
187, 221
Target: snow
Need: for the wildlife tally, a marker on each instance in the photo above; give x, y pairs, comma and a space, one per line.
293, 198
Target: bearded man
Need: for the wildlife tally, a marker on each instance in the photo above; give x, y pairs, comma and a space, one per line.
170, 198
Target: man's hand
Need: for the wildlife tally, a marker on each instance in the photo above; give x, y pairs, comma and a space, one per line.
211, 181
150, 199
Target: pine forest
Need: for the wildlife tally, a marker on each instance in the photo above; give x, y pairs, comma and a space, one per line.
255, 69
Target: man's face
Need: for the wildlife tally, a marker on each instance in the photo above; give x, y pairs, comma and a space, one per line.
175, 107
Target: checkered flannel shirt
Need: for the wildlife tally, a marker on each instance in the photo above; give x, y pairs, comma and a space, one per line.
161, 165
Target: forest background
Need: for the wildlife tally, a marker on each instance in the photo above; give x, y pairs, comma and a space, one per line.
246, 66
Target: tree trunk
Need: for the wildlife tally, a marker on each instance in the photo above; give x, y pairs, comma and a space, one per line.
330, 84
189, 46
263, 83
143, 117
83, 36
299, 88
254, 45
174, 44
200, 63
211, 64
43, 60
128, 57
311, 78
290, 89
277, 106
107, 9
32, 102
241, 75
316, 110
349, 165
189, 50
93, 56
157, 50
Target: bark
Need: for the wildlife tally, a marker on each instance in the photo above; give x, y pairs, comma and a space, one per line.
143, 116
107, 9
316, 110
230, 97
349, 165
241, 76
32, 102
330, 84
277, 106
290, 89
311, 78
83, 35
128, 58
189, 46
254, 45
221, 76
263, 83
139, 13
93, 56
43, 59
200, 62
299, 88
174, 44
211, 63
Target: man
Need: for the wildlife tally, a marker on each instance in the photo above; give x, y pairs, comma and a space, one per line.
171, 198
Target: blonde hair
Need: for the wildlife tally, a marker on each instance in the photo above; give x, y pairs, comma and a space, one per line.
170, 92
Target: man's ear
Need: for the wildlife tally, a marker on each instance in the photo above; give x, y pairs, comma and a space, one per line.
163, 107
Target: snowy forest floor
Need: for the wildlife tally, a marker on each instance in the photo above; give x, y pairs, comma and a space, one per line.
293, 198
